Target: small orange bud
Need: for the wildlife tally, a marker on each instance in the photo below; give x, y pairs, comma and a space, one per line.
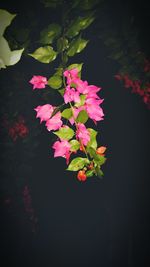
100, 150
81, 175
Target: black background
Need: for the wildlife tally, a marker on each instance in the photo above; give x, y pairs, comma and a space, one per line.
100, 222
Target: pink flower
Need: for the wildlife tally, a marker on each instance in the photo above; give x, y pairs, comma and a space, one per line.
71, 95
62, 149
82, 134
92, 90
44, 112
54, 123
75, 113
71, 75
81, 86
93, 109
38, 82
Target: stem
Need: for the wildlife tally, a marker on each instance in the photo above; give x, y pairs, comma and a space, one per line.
81, 143
64, 15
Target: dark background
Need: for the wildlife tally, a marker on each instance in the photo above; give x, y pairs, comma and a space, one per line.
99, 222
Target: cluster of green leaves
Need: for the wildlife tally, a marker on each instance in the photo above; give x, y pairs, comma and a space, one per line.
79, 4
64, 40
121, 37
79, 163
7, 57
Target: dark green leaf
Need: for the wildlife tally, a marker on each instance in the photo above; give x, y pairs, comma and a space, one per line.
77, 164
89, 4
48, 35
52, 3
62, 44
76, 46
99, 172
64, 58
79, 24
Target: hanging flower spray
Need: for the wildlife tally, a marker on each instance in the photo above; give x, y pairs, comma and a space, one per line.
81, 101
84, 103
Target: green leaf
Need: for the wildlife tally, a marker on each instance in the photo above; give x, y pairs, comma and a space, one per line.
99, 172
116, 55
15, 56
5, 20
64, 58
48, 35
99, 160
65, 133
79, 24
44, 54
67, 113
8, 57
89, 4
76, 46
59, 71
77, 66
52, 3
92, 143
82, 116
77, 164
61, 91
92, 152
55, 82
90, 173
82, 101
59, 108
62, 44
75, 145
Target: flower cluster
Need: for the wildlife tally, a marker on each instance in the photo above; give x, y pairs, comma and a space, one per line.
81, 103
146, 65
27, 200
136, 86
17, 129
